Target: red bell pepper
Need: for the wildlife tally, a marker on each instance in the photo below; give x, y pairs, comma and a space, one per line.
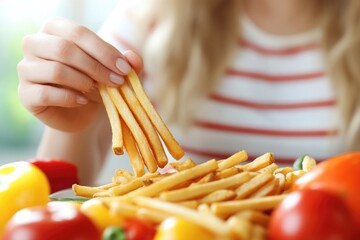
55, 222
61, 174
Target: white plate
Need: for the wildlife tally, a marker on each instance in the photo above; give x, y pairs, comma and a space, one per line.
66, 193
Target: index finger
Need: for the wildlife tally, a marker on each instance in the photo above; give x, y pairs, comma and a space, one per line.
90, 43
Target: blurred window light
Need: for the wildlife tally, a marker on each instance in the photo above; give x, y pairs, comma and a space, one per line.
20, 131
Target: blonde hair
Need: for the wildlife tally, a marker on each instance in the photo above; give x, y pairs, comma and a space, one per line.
188, 50
341, 43
192, 43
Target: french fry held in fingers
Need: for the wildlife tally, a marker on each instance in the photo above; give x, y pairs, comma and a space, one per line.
136, 159
134, 127
172, 145
130, 106
114, 118
146, 125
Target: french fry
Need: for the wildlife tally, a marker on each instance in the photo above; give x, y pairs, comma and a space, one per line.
134, 127
207, 178
226, 173
225, 209
231, 200
84, 191
258, 233
105, 193
291, 177
124, 173
122, 176
270, 168
204, 208
267, 189
233, 160
209, 222
180, 166
218, 196
107, 186
190, 204
308, 163
151, 215
254, 184
145, 124
260, 162
240, 227
284, 170
172, 145
135, 157
205, 188
171, 181
126, 188
281, 181
124, 210
114, 118
255, 217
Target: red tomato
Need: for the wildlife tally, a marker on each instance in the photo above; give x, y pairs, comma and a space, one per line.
312, 215
61, 174
55, 222
138, 230
340, 175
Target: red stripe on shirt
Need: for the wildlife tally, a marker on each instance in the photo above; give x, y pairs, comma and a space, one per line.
267, 132
224, 155
270, 106
274, 78
278, 52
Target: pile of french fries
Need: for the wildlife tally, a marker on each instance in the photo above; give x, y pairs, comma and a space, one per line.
231, 198
137, 126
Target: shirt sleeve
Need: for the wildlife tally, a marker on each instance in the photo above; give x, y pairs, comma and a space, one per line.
119, 28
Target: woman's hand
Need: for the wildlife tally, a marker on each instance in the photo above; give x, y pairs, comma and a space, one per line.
60, 70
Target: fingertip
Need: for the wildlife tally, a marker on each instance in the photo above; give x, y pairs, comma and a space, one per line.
135, 60
81, 100
116, 79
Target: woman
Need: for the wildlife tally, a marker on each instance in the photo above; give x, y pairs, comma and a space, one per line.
258, 75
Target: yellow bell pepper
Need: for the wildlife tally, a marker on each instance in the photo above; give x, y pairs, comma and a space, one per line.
21, 185
100, 214
174, 228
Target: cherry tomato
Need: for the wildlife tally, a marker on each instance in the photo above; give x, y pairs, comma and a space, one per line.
100, 214
174, 228
61, 174
22, 185
55, 222
312, 214
339, 175
138, 230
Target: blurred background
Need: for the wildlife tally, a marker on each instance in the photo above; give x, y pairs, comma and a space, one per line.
19, 131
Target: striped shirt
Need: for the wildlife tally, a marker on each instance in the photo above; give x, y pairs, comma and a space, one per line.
274, 97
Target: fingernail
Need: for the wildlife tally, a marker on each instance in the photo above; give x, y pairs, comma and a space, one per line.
123, 66
118, 80
81, 100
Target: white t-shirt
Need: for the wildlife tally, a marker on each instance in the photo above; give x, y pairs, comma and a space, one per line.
274, 97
